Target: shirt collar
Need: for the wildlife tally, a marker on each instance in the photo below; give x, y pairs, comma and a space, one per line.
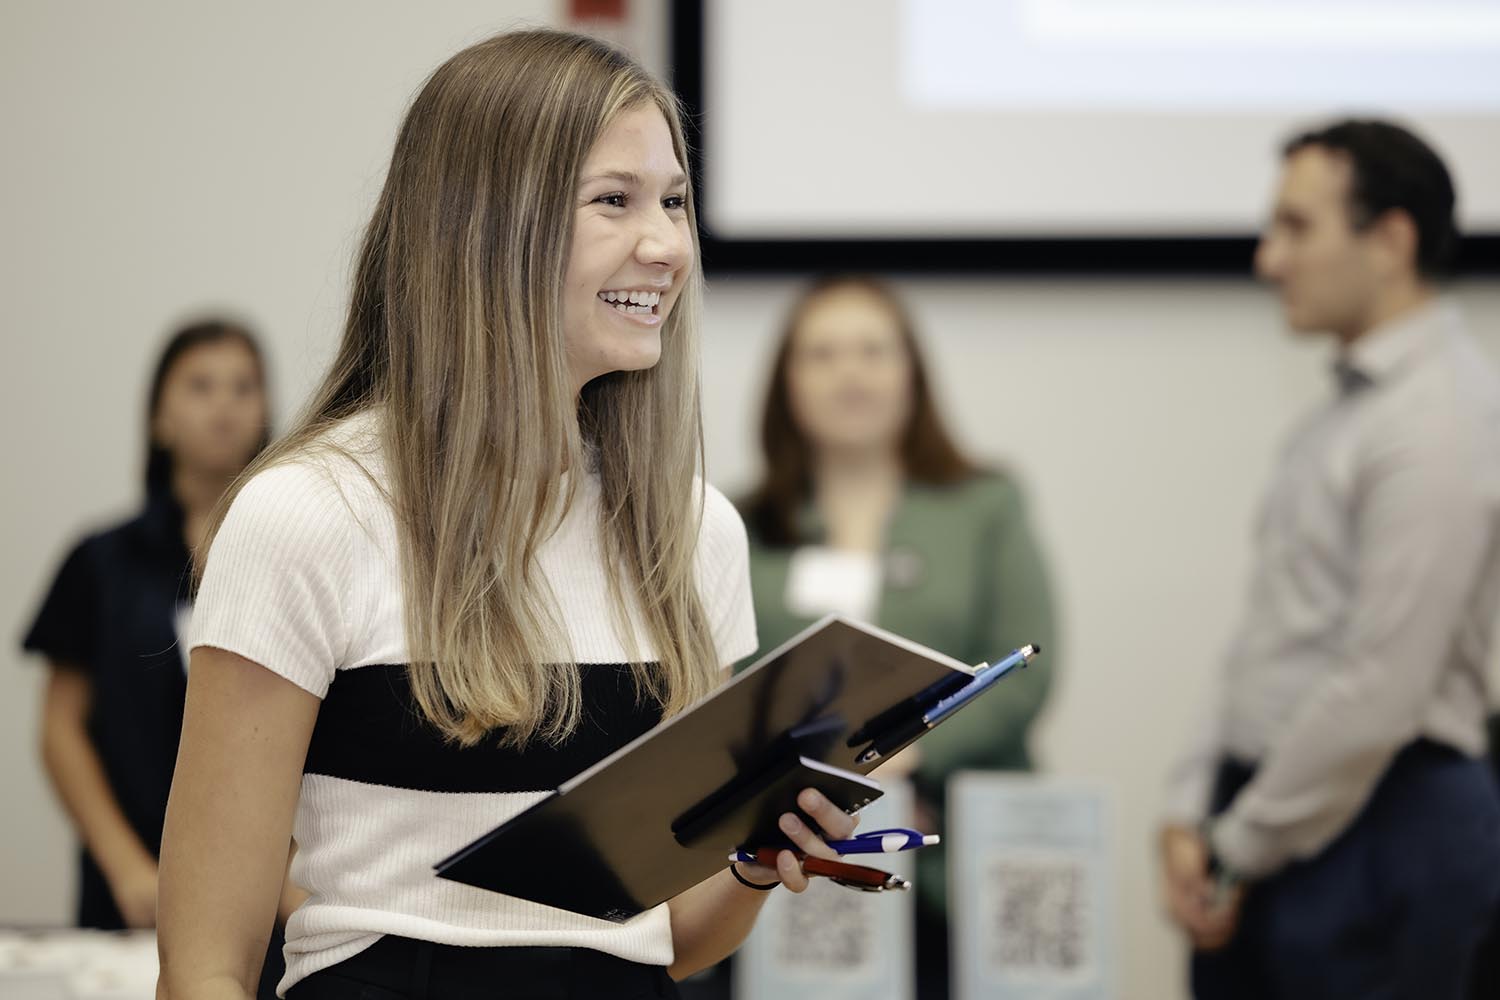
163, 520
1389, 347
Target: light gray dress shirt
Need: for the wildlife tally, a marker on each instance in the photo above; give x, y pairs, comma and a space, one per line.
1373, 598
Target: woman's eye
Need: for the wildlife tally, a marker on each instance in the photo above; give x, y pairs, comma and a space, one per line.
675, 203
616, 200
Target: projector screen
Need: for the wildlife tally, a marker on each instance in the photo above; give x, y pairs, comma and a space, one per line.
1046, 119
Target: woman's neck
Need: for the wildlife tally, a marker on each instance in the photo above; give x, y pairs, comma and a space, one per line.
197, 492
856, 492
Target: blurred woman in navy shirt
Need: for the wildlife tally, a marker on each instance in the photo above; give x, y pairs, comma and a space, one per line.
110, 623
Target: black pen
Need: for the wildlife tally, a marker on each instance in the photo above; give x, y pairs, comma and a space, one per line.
892, 740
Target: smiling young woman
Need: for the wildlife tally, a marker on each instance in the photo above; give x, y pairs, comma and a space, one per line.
482, 560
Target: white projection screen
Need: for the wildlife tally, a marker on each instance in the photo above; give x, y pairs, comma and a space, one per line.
859, 120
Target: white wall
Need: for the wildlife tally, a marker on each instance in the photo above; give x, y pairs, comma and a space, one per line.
171, 156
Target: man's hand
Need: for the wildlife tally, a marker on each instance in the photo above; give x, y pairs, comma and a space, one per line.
1191, 896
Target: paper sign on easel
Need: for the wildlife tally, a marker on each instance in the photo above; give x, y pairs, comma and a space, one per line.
1029, 885
834, 943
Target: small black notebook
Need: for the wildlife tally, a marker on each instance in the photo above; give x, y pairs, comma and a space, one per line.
660, 814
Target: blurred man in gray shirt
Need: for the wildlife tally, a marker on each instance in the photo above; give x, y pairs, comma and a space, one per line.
1334, 833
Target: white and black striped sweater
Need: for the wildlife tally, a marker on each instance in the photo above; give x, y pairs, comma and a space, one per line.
303, 578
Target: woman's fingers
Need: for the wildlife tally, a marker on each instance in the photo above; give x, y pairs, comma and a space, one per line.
789, 869
836, 823
804, 837
833, 821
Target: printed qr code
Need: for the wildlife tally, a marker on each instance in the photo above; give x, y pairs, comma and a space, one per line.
829, 928
1037, 917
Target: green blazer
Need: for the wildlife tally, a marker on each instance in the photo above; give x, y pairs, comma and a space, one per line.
963, 575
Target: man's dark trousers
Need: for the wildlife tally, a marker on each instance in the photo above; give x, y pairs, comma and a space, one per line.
1392, 909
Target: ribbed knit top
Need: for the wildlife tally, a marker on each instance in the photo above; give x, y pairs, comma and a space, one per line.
303, 578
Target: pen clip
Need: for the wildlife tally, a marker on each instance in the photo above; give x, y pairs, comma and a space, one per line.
876, 834
892, 884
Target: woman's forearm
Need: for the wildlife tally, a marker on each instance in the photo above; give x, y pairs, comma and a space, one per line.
710, 921
221, 988
78, 777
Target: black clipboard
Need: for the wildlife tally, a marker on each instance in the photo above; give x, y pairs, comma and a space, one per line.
630, 833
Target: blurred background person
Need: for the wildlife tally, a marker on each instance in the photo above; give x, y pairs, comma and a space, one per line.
1353, 848
869, 509
110, 625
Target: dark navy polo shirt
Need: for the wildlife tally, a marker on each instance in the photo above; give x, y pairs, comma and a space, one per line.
112, 613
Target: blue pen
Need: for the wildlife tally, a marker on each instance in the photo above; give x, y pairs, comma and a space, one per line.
875, 842
888, 743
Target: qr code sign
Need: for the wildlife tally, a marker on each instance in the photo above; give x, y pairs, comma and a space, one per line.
1037, 916
828, 928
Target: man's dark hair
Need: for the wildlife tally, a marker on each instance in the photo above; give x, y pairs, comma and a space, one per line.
1393, 169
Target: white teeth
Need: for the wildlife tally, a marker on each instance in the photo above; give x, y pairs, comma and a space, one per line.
633, 298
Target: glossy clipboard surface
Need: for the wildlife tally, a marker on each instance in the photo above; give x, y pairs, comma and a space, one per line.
603, 844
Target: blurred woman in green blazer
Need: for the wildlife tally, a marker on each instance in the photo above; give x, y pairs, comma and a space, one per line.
868, 508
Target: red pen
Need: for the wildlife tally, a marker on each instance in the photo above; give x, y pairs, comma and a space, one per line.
854, 876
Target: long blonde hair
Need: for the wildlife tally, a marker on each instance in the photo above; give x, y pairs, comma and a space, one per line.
454, 328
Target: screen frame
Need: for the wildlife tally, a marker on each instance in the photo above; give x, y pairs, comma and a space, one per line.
1209, 256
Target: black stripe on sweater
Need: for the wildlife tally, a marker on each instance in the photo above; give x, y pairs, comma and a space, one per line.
370, 730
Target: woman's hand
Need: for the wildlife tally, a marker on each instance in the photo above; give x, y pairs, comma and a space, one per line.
134, 891
836, 823
712, 918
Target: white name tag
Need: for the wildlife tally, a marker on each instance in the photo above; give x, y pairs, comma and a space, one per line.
824, 581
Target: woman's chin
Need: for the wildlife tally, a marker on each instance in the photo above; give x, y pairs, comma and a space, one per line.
639, 358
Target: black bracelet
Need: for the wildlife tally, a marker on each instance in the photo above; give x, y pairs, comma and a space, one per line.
742, 880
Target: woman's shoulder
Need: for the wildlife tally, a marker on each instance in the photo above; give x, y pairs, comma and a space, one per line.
337, 477
997, 485
111, 546
723, 550
722, 528
345, 453
105, 535
989, 492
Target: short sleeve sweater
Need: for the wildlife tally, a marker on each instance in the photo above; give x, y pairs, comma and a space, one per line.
303, 578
